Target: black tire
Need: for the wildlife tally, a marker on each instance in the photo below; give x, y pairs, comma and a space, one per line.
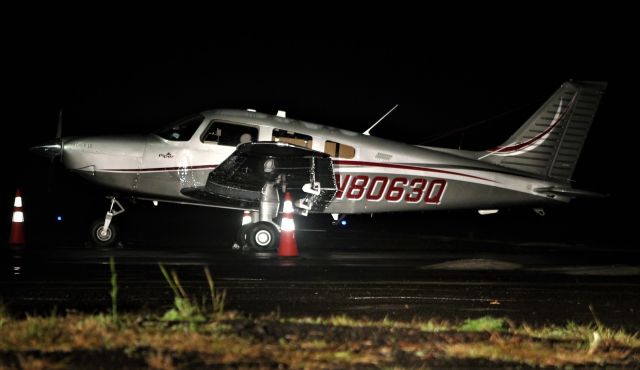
263, 236
108, 240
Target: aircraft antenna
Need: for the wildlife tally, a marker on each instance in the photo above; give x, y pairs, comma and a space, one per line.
378, 121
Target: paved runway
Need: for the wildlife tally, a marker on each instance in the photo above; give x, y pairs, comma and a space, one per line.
357, 273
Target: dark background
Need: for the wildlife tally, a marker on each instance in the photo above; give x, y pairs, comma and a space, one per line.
111, 78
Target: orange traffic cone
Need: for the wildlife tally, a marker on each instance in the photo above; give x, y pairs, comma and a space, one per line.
288, 246
17, 221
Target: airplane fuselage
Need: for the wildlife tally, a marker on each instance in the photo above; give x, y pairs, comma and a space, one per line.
372, 174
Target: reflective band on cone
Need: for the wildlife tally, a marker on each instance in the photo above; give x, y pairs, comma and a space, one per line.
246, 218
287, 225
18, 216
288, 205
17, 221
288, 246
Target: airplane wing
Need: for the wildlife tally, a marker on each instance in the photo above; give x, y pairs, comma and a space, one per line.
238, 181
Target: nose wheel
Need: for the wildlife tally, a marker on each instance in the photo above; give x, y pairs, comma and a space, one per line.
103, 232
102, 236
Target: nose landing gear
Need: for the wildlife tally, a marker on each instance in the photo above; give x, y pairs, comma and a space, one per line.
103, 232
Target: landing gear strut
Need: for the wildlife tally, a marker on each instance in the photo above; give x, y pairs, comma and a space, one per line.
104, 232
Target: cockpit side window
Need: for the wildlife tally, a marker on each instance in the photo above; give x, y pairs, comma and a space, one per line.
338, 150
181, 130
229, 134
295, 138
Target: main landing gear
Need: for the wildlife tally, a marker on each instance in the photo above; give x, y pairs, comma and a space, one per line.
261, 233
260, 236
103, 232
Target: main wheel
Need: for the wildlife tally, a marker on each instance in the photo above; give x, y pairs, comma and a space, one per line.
101, 237
263, 236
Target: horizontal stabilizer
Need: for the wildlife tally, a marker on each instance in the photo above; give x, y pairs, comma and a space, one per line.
569, 192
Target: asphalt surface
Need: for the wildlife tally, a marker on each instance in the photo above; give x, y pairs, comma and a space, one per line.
360, 273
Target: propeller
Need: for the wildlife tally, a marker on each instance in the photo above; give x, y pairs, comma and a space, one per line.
59, 130
52, 150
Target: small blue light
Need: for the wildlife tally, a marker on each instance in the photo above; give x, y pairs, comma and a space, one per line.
59, 218
343, 222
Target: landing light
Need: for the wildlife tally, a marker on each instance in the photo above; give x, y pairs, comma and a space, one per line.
343, 222
59, 218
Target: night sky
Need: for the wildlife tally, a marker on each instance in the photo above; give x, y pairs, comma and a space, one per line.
111, 80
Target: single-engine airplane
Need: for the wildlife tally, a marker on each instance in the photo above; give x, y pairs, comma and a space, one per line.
246, 160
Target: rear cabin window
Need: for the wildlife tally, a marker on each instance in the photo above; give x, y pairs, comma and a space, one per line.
290, 137
181, 130
229, 134
338, 150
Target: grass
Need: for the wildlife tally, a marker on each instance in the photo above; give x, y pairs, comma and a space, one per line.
204, 333
218, 297
313, 342
187, 308
485, 323
4, 314
160, 361
114, 289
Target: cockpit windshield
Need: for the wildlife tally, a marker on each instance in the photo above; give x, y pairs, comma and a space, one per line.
182, 129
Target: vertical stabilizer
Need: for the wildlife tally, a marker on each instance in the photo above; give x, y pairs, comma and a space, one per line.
550, 141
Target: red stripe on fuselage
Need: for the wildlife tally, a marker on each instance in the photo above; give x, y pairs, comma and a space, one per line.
158, 169
404, 167
339, 162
